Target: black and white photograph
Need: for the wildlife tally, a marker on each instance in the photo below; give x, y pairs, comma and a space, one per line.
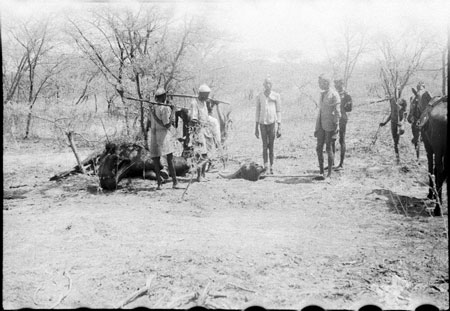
225, 154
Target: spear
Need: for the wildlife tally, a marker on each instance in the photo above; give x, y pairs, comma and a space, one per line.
194, 96
381, 100
150, 102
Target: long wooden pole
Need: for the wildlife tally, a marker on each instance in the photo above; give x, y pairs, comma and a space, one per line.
194, 96
149, 101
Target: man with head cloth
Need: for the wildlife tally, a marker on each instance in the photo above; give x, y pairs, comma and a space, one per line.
268, 114
198, 114
327, 122
162, 142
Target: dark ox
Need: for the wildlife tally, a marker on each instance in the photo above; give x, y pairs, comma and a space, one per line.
431, 120
131, 161
249, 171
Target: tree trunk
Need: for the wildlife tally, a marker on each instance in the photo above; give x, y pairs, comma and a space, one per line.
75, 152
127, 125
444, 67
142, 117
27, 129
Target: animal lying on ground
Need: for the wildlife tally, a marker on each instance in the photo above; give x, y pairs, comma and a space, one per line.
249, 171
131, 160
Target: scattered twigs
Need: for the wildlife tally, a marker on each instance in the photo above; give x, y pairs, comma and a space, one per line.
375, 137
202, 298
240, 287
18, 186
182, 300
61, 298
89, 163
217, 295
35, 294
157, 304
137, 293
187, 187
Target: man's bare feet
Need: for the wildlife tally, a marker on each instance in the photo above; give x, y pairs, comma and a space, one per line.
339, 167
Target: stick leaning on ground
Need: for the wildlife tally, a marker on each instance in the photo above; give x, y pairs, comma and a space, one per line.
137, 293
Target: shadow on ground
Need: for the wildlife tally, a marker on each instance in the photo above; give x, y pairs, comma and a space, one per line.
406, 205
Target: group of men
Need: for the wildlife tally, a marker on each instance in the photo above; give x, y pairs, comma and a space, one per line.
332, 118
205, 134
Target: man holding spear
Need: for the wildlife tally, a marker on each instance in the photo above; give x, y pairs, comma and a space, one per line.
161, 139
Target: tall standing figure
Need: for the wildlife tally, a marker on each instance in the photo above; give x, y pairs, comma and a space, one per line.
327, 122
268, 114
346, 106
397, 118
202, 137
162, 142
414, 113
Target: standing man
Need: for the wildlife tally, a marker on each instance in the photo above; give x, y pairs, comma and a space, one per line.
346, 106
198, 115
268, 113
214, 143
414, 113
161, 139
327, 122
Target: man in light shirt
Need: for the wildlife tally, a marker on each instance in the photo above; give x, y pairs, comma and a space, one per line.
327, 122
268, 114
162, 142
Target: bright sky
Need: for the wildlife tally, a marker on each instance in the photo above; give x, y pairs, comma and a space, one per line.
274, 25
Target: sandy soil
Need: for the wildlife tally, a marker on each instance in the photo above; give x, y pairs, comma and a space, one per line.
364, 236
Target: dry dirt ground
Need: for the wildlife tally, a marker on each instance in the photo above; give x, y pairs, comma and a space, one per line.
364, 236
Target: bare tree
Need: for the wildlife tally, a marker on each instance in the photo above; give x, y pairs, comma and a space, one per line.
12, 79
135, 52
399, 59
36, 63
351, 43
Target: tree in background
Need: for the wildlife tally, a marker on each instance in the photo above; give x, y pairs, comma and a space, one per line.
37, 63
351, 42
137, 52
400, 56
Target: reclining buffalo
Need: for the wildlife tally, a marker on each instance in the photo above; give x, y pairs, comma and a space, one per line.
131, 160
